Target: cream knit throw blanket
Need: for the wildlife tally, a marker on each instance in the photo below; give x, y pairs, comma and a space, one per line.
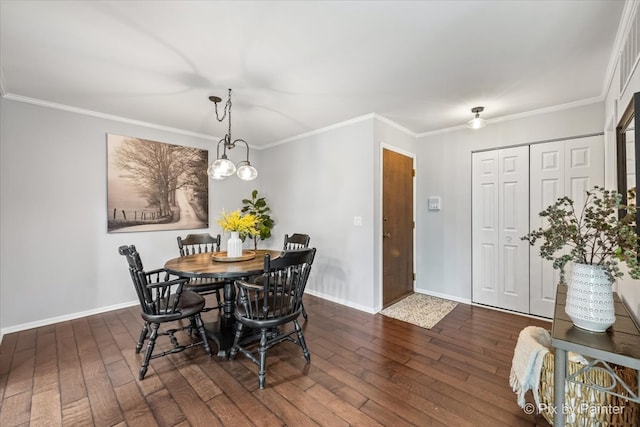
533, 343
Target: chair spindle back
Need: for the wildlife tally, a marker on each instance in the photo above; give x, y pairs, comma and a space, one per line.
283, 284
198, 243
296, 241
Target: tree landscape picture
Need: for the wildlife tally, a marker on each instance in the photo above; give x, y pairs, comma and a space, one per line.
155, 186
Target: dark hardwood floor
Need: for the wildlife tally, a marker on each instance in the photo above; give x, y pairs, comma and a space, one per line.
365, 370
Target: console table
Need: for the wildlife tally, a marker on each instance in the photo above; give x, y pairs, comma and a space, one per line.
620, 345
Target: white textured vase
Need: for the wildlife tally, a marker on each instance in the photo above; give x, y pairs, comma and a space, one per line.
234, 245
590, 298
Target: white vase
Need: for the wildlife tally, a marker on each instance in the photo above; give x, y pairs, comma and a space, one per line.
590, 298
234, 245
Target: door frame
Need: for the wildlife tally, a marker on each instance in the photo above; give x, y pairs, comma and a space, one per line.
412, 156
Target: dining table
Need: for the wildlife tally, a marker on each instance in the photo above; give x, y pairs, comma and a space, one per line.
216, 265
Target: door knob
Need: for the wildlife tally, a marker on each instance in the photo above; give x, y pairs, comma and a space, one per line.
386, 235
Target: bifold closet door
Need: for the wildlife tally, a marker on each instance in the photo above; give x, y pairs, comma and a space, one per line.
561, 168
500, 217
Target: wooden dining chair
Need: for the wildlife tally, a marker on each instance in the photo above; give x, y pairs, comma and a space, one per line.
297, 241
197, 244
163, 300
267, 307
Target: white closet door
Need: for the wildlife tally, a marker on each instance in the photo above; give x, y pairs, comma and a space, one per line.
485, 228
557, 169
500, 212
547, 185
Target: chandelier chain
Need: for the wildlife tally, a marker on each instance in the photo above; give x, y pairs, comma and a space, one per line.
227, 108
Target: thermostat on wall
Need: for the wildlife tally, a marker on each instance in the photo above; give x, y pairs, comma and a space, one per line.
433, 203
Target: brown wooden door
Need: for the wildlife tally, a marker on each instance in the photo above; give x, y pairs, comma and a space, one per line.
397, 226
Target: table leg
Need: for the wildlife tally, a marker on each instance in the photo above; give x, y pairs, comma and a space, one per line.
559, 378
223, 331
229, 300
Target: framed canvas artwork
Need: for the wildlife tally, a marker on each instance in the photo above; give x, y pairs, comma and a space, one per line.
155, 186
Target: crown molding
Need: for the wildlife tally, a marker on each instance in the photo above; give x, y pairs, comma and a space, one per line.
370, 116
531, 113
395, 125
321, 130
105, 116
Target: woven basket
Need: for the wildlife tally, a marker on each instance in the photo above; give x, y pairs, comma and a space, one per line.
586, 407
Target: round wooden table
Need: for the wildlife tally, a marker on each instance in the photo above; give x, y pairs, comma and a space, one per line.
204, 266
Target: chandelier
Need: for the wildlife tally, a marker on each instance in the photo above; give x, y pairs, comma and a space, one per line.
222, 167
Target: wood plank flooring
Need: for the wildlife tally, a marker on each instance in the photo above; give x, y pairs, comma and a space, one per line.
366, 370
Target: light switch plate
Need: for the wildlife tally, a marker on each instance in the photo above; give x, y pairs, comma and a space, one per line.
433, 203
357, 221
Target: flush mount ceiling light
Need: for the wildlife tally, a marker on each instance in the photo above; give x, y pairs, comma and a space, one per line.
477, 122
222, 167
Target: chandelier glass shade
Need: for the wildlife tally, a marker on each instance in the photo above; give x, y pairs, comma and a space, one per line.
222, 167
477, 122
246, 172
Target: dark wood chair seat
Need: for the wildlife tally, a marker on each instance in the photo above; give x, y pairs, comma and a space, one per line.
204, 285
163, 300
189, 304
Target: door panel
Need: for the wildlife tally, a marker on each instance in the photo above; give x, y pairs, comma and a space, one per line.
485, 227
500, 216
557, 169
397, 226
514, 223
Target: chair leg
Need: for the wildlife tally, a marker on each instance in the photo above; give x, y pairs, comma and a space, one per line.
192, 326
263, 358
149, 351
203, 333
218, 300
304, 312
143, 336
236, 340
303, 343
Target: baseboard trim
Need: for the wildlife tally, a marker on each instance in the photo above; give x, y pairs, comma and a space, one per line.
72, 316
340, 301
370, 310
444, 296
475, 304
531, 316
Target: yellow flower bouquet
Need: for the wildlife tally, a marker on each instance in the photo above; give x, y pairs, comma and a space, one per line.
235, 221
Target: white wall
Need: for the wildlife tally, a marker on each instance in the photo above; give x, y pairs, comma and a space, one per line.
444, 169
57, 259
53, 199
316, 185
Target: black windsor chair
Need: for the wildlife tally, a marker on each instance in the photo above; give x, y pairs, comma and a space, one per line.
163, 301
273, 303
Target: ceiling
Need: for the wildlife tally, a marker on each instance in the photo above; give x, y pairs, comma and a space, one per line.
297, 66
